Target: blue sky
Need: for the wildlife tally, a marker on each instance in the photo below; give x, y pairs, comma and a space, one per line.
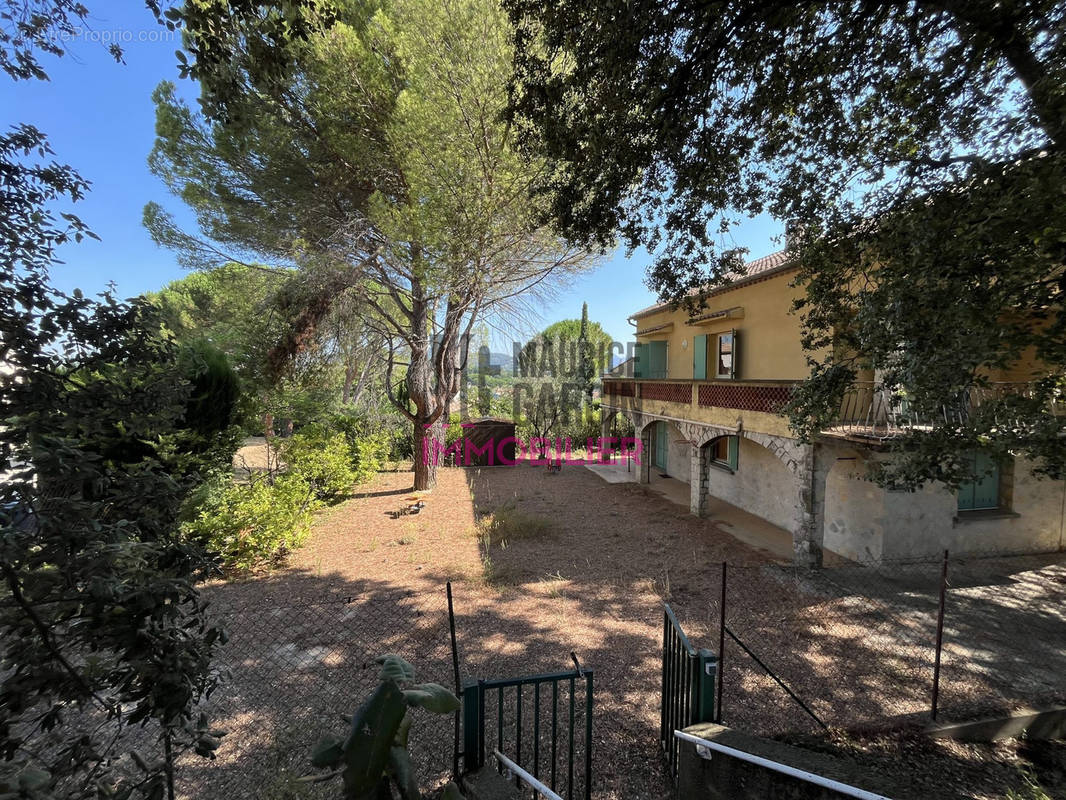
99, 118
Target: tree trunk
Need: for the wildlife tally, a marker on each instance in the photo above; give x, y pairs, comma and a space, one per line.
428, 443
349, 379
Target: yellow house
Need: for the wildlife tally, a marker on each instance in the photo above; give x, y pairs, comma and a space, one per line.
705, 398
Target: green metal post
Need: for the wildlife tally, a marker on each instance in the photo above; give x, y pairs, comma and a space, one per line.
588, 735
705, 678
471, 725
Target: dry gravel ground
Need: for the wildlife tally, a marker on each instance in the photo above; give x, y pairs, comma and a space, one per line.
571, 564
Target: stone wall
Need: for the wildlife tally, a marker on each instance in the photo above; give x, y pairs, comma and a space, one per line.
762, 485
865, 522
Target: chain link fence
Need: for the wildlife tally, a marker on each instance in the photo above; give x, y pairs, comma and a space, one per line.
855, 646
293, 668
850, 646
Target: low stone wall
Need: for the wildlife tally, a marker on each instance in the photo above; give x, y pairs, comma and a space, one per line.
723, 777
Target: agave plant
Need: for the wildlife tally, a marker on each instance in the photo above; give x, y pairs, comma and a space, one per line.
372, 760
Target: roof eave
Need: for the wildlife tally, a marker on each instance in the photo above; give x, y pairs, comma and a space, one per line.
737, 284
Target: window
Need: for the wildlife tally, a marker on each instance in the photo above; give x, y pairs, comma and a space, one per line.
725, 361
650, 360
724, 451
983, 492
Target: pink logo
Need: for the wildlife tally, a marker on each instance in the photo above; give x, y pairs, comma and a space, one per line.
511, 450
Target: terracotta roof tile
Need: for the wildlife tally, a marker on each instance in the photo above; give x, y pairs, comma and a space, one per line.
752, 270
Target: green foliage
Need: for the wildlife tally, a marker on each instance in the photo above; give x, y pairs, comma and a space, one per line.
323, 459
241, 311
421, 210
559, 351
249, 525
368, 457
373, 758
99, 607
917, 151
211, 412
372, 442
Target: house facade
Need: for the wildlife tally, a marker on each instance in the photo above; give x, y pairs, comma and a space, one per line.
705, 398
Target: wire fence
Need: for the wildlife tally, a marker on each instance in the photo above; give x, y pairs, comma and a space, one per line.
294, 668
856, 646
849, 646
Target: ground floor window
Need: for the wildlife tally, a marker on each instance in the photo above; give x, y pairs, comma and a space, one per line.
725, 450
985, 491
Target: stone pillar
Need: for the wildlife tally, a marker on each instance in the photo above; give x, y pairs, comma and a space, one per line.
809, 530
697, 480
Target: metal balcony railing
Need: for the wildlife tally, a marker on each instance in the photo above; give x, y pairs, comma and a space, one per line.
872, 410
868, 409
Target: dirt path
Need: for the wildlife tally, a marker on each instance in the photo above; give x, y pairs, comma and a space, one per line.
588, 580
571, 564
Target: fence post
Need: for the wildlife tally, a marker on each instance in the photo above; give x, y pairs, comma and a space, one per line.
939, 633
705, 680
458, 684
588, 735
471, 726
721, 647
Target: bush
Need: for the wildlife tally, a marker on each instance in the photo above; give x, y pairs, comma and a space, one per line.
250, 524
393, 435
323, 459
368, 456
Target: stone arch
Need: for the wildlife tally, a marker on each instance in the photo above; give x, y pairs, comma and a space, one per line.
765, 483
792, 453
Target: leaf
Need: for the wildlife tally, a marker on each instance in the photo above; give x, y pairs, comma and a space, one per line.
328, 752
433, 697
394, 668
403, 732
374, 727
403, 773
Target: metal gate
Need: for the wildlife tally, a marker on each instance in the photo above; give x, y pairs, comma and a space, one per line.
543, 723
688, 686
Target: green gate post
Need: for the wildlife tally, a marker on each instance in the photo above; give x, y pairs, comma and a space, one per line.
471, 726
704, 679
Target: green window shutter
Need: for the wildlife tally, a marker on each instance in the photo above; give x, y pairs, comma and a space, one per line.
986, 487
656, 360
640, 360
662, 445
966, 497
699, 357
983, 491
734, 452
735, 371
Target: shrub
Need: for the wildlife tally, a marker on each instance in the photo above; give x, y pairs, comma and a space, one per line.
250, 524
368, 456
393, 435
323, 459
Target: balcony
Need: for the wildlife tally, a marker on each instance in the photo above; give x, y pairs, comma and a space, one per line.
871, 411
867, 410
766, 397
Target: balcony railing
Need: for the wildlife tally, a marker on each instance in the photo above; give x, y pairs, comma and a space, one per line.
765, 396
867, 410
871, 410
